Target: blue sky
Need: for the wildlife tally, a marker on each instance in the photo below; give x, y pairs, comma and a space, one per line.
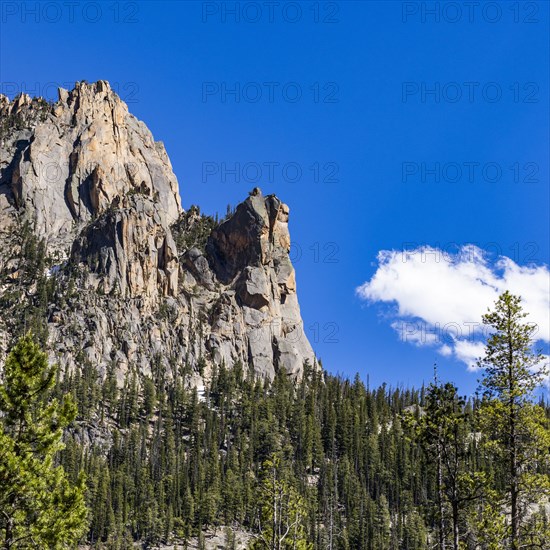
384, 126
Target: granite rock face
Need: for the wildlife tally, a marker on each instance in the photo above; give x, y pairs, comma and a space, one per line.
65, 165
92, 184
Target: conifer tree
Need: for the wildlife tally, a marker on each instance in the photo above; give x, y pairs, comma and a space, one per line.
39, 508
516, 428
282, 513
444, 435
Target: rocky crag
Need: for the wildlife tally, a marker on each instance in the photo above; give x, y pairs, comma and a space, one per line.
97, 251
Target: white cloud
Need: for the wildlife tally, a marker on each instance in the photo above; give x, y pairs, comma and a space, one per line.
440, 297
445, 350
468, 352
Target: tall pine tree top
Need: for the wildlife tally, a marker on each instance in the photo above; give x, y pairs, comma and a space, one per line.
512, 368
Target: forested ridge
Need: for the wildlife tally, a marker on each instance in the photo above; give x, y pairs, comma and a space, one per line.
178, 462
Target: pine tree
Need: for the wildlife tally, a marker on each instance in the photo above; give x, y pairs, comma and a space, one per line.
444, 436
516, 428
282, 512
39, 507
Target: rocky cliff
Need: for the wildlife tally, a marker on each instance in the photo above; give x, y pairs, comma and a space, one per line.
97, 249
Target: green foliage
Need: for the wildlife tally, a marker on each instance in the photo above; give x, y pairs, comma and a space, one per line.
511, 368
281, 510
443, 431
192, 229
178, 464
29, 288
517, 433
357, 465
490, 523
40, 508
18, 120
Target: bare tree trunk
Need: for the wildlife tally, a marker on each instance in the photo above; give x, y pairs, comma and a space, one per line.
440, 498
275, 522
9, 531
455, 526
514, 543
513, 483
331, 524
333, 500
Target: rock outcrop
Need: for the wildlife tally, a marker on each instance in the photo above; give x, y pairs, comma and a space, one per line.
67, 164
89, 180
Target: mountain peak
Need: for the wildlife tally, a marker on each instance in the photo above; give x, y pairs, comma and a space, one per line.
66, 163
155, 284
